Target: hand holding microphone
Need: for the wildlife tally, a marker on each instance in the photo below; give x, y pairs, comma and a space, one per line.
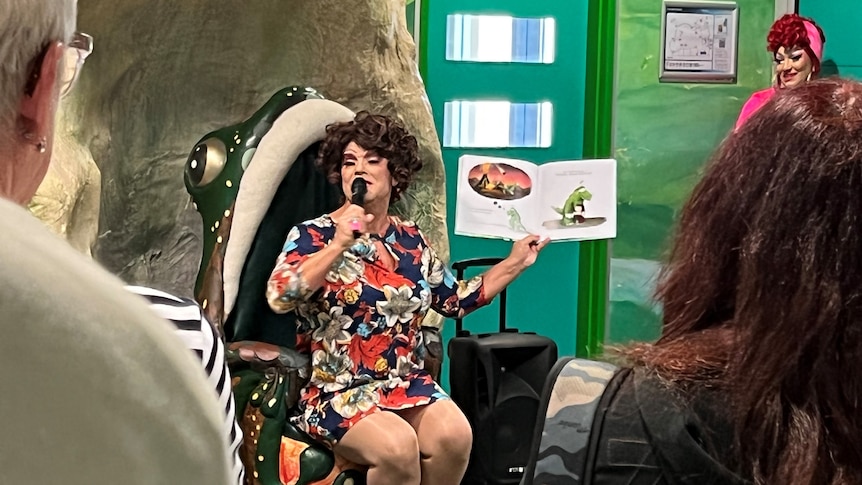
359, 189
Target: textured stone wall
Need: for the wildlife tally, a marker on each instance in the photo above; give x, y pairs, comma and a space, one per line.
164, 73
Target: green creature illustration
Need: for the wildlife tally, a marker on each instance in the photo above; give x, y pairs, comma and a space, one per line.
573, 208
515, 220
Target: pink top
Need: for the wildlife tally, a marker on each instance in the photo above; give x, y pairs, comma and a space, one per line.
758, 99
754, 103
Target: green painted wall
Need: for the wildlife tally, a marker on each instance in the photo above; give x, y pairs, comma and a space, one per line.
544, 299
663, 135
410, 10
840, 20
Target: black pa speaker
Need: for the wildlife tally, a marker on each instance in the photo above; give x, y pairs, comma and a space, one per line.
497, 380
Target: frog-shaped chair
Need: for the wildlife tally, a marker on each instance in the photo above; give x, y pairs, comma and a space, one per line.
251, 182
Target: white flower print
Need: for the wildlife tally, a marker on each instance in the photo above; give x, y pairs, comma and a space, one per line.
333, 327
346, 269
399, 306
466, 288
364, 248
402, 367
432, 267
352, 401
330, 371
425, 296
322, 221
290, 241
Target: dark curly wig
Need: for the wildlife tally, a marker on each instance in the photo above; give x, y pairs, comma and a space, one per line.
789, 31
378, 133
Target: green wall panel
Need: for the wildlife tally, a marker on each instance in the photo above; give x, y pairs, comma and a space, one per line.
544, 299
664, 133
840, 20
410, 11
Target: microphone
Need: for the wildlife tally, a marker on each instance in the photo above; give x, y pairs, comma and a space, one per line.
359, 189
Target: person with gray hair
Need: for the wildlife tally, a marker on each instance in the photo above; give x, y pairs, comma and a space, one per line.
96, 388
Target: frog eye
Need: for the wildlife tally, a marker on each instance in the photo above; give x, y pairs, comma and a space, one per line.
206, 162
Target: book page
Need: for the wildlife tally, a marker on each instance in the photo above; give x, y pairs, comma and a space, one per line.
577, 200
495, 197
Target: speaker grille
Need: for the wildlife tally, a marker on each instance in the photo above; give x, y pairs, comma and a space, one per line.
497, 380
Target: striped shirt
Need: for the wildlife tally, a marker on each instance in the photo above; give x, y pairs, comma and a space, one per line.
198, 334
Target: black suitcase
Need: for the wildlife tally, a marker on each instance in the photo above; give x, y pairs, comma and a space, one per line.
497, 379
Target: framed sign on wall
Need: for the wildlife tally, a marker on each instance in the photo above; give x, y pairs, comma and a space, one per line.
699, 41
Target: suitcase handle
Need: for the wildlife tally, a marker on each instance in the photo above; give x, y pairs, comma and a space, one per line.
459, 267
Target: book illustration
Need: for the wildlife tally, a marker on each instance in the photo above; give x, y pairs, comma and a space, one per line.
515, 223
508, 198
499, 181
514, 218
573, 211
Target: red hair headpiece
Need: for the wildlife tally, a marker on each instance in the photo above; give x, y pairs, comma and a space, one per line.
792, 30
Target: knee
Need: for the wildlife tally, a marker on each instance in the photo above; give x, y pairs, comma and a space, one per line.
453, 437
398, 449
459, 437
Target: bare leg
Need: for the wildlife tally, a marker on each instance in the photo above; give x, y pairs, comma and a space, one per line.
445, 439
387, 445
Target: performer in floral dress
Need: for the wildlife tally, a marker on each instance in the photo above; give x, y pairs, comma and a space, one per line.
360, 303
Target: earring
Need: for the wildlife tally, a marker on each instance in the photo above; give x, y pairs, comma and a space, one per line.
41, 145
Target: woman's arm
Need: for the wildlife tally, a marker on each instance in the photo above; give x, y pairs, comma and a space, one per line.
313, 270
456, 299
301, 268
523, 255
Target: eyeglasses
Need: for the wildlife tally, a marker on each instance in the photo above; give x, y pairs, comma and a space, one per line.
77, 51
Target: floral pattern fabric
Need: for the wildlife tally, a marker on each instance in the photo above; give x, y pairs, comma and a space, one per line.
362, 328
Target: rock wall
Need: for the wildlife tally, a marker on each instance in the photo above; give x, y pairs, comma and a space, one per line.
163, 73
68, 199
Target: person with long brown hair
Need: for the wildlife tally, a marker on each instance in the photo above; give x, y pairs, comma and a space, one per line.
755, 377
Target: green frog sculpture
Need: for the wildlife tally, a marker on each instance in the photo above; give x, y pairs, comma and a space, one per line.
251, 182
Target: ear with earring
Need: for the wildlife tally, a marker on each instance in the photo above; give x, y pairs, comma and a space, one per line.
41, 144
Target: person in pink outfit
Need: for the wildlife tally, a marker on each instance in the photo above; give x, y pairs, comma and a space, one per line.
796, 44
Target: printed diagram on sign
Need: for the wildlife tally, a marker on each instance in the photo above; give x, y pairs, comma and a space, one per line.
690, 37
698, 41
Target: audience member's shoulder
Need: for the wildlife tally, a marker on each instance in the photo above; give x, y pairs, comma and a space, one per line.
41, 272
689, 428
103, 390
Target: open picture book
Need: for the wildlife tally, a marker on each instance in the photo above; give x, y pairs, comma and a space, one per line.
573, 200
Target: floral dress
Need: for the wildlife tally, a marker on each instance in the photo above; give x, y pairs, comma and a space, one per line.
362, 328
